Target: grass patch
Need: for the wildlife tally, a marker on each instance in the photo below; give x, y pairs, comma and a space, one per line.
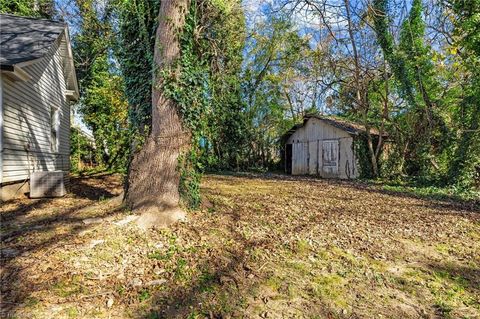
433, 192
159, 255
67, 288
299, 266
274, 283
31, 302
144, 295
207, 281
72, 312
302, 247
450, 292
443, 248
180, 269
330, 288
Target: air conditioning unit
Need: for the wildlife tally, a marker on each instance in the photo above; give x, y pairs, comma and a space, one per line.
47, 184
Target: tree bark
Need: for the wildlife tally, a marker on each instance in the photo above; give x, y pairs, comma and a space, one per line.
153, 179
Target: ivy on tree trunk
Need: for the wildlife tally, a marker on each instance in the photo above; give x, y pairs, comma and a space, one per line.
153, 178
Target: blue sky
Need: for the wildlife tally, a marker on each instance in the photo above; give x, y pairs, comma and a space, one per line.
308, 23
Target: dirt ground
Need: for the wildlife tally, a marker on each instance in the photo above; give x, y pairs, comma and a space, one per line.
260, 247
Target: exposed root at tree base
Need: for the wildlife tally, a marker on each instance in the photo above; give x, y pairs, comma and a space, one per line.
155, 217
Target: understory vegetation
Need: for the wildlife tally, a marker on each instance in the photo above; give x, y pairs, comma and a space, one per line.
188, 102
248, 71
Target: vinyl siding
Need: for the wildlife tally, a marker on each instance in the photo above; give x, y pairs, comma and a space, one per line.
26, 119
307, 143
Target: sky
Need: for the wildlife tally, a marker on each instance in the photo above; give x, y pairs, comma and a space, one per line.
256, 11
308, 22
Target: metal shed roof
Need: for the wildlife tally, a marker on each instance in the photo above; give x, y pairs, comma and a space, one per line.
345, 125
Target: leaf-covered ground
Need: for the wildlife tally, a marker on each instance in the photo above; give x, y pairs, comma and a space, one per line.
260, 247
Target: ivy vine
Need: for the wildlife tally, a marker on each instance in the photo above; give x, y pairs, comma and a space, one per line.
192, 91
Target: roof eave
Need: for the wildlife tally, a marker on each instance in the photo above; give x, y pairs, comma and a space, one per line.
72, 75
15, 72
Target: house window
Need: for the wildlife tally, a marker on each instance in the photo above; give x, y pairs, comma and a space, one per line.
54, 129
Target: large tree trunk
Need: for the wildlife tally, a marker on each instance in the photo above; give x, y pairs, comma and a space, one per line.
153, 179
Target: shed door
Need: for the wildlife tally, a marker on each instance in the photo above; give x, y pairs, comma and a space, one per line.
330, 156
288, 158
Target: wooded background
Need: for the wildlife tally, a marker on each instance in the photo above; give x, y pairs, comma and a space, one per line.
247, 71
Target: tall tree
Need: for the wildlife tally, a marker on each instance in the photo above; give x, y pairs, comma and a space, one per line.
104, 109
421, 121
278, 73
29, 8
102, 104
465, 168
226, 128
360, 87
153, 178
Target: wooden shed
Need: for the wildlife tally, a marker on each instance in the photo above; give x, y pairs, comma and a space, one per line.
37, 86
323, 146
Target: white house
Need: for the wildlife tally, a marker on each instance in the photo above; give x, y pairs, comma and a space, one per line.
323, 146
37, 86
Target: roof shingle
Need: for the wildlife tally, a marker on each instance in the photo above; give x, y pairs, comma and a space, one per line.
24, 39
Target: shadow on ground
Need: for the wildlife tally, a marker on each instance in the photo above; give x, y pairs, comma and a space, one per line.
237, 277
29, 228
254, 234
234, 274
95, 187
440, 201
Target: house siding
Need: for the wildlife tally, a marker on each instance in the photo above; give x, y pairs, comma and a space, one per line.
307, 150
1, 129
26, 119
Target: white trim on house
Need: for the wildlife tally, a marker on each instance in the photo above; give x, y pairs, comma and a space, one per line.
1, 128
72, 74
71, 94
17, 73
21, 74
29, 62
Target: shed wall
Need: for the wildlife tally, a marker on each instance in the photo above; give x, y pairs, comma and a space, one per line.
27, 123
307, 150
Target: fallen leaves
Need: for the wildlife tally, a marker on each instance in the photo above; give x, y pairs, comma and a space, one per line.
273, 247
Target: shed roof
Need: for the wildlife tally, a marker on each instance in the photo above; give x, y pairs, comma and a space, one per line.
350, 127
25, 39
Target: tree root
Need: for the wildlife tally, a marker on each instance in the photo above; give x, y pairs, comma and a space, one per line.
160, 218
